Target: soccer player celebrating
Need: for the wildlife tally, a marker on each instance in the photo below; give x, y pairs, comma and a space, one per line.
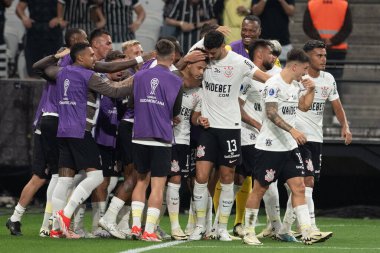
277, 141
220, 144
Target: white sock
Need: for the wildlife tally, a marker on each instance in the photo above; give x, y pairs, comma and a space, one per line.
99, 208
192, 216
17, 213
310, 205
112, 185
113, 210
226, 202
137, 209
60, 193
151, 219
200, 198
49, 206
83, 190
124, 221
209, 214
250, 220
172, 201
163, 206
303, 218
79, 217
289, 217
272, 206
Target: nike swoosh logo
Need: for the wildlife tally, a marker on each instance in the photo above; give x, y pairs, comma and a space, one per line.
232, 161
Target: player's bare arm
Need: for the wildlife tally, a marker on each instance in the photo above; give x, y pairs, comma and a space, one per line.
246, 118
341, 116
271, 109
306, 100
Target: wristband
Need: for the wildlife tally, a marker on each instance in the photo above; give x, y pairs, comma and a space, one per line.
139, 59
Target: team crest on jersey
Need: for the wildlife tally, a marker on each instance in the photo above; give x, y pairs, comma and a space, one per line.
269, 177
252, 136
175, 166
228, 71
268, 142
201, 151
66, 85
309, 165
325, 91
153, 86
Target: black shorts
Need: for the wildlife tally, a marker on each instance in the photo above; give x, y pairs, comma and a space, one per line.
271, 165
124, 140
248, 164
220, 146
49, 126
154, 159
180, 160
312, 159
79, 154
108, 161
39, 166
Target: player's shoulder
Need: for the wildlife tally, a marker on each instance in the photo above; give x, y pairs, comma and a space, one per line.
327, 76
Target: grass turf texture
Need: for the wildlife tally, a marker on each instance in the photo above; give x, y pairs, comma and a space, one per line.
350, 235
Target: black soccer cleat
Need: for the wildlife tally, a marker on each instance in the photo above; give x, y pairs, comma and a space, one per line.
14, 227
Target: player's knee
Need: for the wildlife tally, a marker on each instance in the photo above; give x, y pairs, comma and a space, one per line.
309, 182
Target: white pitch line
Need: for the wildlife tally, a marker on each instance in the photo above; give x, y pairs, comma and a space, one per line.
272, 247
157, 246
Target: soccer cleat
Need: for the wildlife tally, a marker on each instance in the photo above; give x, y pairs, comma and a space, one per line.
297, 234
125, 231
136, 232
153, 237
72, 235
111, 228
44, 232
14, 227
223, 235
239, 230
56, 234
266, 233
64, 223
285, 238
178, 234
101, 233
83, 234
162, 235
211, 235
189, 230
197, 234
251, 239
317, 236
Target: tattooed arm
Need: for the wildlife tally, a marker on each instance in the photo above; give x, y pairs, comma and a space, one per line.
271, 109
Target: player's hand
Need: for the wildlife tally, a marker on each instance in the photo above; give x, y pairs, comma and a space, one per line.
187, 27
202, 121
53, 22
347, 135
194, 56
176, 120
225, 30
308, 84
149, 55
298, 136
27, 22
134, 26
61, 53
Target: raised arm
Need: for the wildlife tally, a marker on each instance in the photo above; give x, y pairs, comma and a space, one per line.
111, 67
307, 99
111, 89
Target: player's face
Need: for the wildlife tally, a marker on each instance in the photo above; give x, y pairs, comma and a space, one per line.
87, 58
215, 53
196, 69
299, 70
318, 59
103, 45
116, 76
250, 31
134, 51
268, 58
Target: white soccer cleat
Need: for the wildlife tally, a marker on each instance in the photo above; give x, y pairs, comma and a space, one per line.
161, 234
197, 234
189, 230
178, 234
111, 228
266, 233
251, 239
318, 236
223, 235
44, 232
239, 230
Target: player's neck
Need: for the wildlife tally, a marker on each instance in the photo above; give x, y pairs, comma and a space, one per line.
188, 80
314, 73
287, 76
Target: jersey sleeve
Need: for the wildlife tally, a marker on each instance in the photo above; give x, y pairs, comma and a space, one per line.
334, 91
271, 93
248, 68
245, 88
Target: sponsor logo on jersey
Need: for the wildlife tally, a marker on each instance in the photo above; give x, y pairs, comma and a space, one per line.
317, 106
228, 71
175, 166
222, 89
185, 112
248, 64
216, 70
269, 177
289, 110
257, 107
201, 151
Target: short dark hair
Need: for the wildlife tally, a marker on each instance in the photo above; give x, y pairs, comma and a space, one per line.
297, 55
252, 18
114, 55
97, 33
213, 39
177, 46
259, 43
207, 28
69, 33
76, 49
164, 48
207, 59
311, 44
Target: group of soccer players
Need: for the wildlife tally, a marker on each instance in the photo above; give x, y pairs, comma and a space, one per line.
228, 119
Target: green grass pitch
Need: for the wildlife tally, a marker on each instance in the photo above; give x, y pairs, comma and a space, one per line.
350, 235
